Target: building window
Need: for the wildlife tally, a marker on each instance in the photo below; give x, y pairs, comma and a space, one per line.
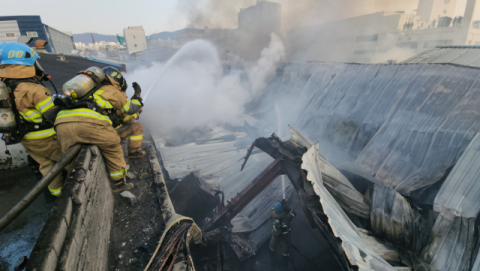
366, 38
433, 43
10, 35
135, 45
32, 34
446, 1
363, 52
133, 36
444, 12
411, 45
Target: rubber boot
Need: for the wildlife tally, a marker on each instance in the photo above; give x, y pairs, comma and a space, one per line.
122, 185
135, 155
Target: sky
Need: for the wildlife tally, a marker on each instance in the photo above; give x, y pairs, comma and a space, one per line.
101, 16
110, 17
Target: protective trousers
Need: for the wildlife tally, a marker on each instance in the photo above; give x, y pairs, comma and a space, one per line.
102, 135
46, 151
282, 242
135, 132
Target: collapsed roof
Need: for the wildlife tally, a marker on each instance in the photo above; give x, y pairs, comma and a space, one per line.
408, 130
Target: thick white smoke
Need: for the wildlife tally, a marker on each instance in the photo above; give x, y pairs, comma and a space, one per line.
191, 90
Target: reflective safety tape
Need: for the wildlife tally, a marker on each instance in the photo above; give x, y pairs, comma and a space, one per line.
40, 134
126, 107
130, 116
136, 138
99, 92
82, 112
56, 192
45, 105
32, 116
118, 173
119, 126
104, 104
137, 102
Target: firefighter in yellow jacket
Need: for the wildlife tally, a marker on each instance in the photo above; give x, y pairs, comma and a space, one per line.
130, 128
35, 111
93, 123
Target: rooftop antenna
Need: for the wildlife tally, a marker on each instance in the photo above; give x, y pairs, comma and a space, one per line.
93, 40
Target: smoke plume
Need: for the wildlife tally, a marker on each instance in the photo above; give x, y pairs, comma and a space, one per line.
295, 13
192, 90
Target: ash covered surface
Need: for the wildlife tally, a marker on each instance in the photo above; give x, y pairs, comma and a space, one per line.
136, 229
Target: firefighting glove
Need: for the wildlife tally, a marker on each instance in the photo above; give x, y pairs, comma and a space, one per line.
137, 88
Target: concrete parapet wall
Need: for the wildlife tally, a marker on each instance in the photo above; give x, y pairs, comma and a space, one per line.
77, 233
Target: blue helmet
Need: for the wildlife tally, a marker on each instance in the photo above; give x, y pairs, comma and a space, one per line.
14, 53
278, 208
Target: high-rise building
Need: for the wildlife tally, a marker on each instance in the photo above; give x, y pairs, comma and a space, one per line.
264, 17
430, 10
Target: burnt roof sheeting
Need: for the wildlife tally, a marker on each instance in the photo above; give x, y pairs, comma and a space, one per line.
452, 244
342, 190
218, 162
462, 55
357, 251
476, 265
392, 216
404, 124
460, 193
426, 129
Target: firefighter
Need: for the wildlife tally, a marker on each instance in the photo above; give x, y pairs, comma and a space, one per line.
95, 125
34, 108
280, 240
130, 128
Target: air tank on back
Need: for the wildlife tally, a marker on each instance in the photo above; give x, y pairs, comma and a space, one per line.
7, 117
83, 83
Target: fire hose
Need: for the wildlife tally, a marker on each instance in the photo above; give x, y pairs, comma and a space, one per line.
66, 158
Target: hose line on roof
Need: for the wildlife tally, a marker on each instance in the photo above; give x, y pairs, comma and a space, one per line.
66, 158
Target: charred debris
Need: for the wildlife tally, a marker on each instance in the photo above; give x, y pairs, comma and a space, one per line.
366, 225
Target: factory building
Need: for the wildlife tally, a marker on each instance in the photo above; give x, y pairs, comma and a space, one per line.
372, 37
264, 17
9, 31
12, 27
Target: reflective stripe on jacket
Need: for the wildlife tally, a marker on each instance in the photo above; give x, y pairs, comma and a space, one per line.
40, 134
82, 115
32, 101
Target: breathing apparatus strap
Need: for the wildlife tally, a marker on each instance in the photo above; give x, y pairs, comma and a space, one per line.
92, 75
24, 126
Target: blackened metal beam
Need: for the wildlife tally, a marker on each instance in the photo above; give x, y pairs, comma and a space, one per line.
249, 193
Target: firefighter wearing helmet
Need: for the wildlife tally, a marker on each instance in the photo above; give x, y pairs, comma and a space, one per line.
90, 116
29, 113
128, 127
280, 240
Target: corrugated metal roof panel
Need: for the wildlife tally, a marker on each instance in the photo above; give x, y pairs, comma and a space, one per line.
460, 193
357, 251
452, 243
460, 55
